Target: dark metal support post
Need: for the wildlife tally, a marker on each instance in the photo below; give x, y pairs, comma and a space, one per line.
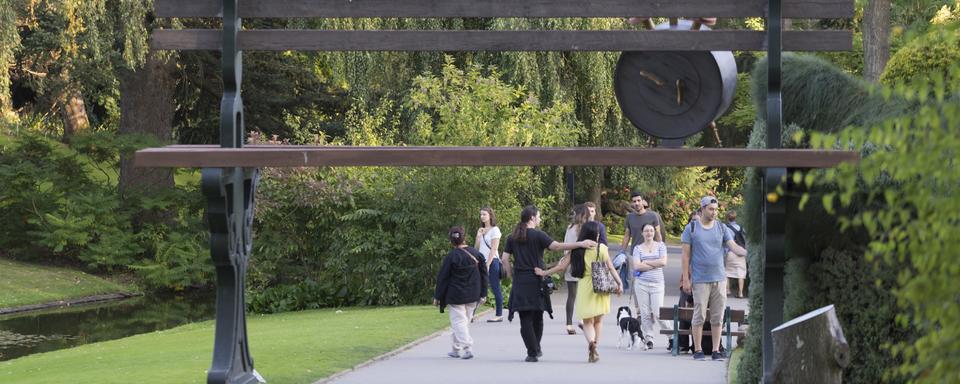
571, 192
230, 196
774, 205
774, 236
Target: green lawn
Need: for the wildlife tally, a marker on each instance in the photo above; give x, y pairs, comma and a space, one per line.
296, 347
614, 239
734, 364
24, 284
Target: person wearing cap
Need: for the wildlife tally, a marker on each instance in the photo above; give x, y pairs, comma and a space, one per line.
703, 272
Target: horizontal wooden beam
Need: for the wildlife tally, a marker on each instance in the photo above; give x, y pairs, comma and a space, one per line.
198, 156
798, 9
326, 40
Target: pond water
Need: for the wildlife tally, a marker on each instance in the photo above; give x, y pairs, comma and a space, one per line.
44, 331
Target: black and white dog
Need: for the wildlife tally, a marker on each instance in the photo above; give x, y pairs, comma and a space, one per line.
629, 325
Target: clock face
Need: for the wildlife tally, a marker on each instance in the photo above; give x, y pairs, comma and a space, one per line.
674, 94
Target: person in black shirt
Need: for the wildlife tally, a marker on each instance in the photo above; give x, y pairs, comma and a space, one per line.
524, 252
461, 287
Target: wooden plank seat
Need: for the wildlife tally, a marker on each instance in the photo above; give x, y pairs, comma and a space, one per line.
499, 40
199, 156
678, 314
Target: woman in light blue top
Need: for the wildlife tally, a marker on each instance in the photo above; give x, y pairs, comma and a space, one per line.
649, 258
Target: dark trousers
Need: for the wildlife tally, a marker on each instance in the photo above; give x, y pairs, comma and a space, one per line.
571, 300
495, 285
531, 329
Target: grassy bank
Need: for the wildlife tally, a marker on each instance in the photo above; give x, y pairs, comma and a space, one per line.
24, 284
297, 347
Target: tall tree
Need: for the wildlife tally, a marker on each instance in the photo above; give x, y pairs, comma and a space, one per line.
66, 55
147, 108
9, 42
876, 38
147, 85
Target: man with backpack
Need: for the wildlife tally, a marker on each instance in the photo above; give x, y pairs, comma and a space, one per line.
703, 272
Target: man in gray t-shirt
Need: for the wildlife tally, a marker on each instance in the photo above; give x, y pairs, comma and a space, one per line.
703, 274
633, 234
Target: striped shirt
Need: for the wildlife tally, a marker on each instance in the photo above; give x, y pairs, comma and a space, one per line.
639, 254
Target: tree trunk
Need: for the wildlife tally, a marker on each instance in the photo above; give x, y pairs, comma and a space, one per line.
74, 114
147, 108
9, 43
810, 349
595, 196
876, 38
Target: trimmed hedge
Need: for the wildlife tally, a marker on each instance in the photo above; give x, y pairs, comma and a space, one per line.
824, 264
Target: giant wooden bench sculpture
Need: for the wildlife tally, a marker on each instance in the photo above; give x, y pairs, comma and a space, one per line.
230, 173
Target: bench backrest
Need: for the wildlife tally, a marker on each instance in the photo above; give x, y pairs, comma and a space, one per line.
489, 40
686, 314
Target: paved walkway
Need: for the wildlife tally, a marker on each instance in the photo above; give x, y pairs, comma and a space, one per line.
499, 354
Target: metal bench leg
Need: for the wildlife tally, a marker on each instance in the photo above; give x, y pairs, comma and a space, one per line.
230, 204
230, 196
726, 321
676, 330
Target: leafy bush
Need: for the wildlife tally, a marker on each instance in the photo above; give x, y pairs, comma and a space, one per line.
910, 186
824, 263
926, 55
61, 203
375, 236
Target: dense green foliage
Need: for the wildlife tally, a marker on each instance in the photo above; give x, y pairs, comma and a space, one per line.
60, 203
375, 235
911, 212
824, 265
926, 56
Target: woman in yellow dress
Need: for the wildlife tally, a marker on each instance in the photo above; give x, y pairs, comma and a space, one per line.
591, 306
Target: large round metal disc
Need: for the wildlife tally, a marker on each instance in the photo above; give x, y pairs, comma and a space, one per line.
669, 95
674, 94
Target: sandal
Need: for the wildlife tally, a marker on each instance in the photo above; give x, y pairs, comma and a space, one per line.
570, 330
495, 320
593, 356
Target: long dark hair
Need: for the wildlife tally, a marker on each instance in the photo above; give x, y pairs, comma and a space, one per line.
520, 231
493, 216
579, 216
589, 230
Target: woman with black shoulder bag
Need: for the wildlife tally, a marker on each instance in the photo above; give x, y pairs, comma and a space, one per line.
461, 287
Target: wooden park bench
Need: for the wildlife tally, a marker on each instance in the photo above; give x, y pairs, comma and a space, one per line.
230, 170
678, 314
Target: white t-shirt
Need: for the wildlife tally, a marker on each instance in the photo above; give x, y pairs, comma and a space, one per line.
487, 240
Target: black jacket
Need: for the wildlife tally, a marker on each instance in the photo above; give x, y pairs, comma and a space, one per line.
462, 279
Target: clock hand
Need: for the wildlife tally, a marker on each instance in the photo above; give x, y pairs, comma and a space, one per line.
679, 91
656, 80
